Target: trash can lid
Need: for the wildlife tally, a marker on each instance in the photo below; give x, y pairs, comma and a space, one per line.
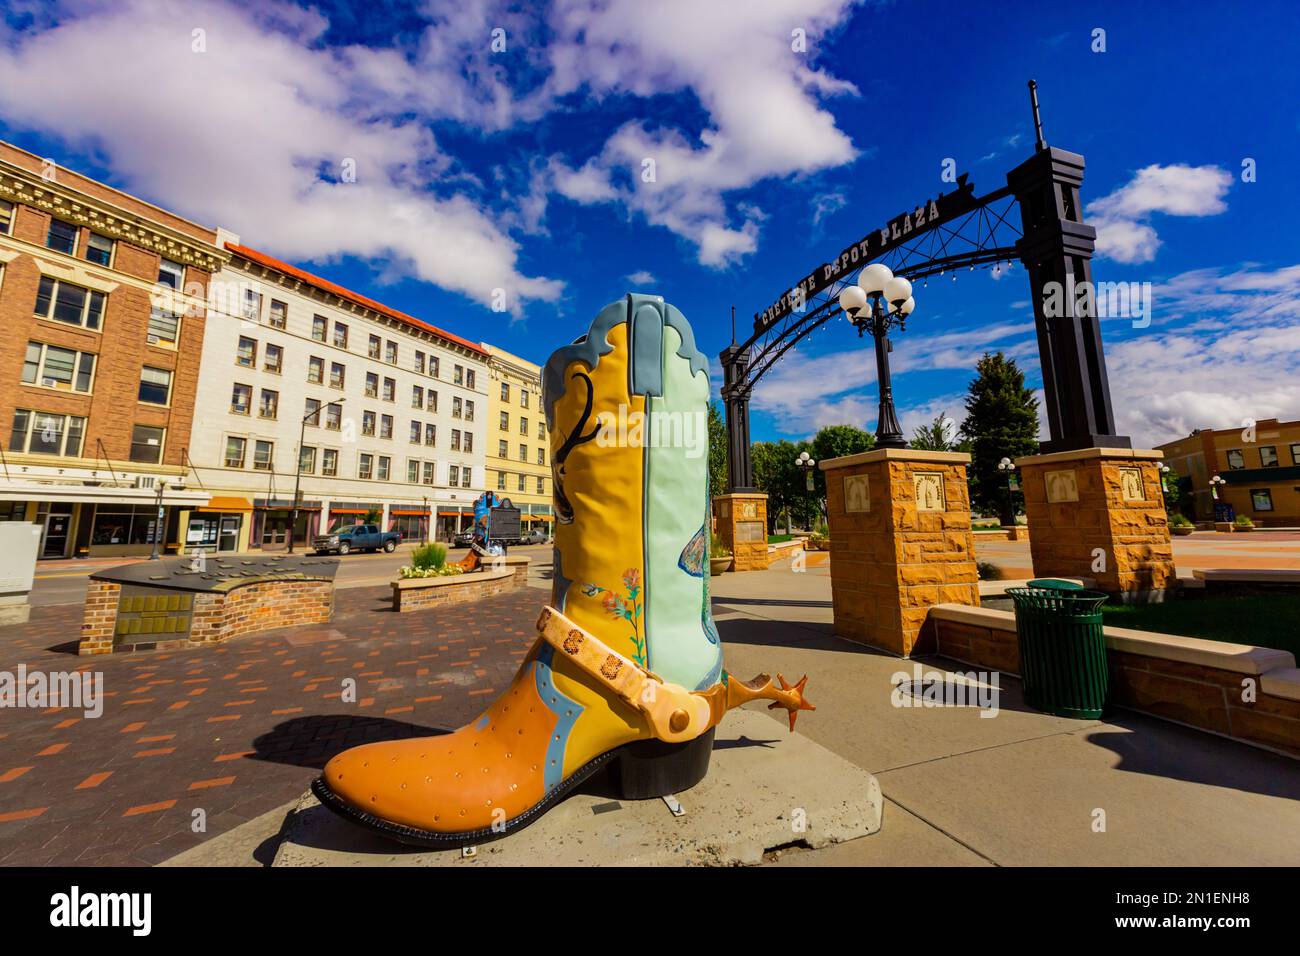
1054, 584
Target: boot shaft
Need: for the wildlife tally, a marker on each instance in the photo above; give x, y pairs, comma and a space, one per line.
627, 409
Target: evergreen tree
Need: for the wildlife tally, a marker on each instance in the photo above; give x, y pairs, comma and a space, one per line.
1001, 422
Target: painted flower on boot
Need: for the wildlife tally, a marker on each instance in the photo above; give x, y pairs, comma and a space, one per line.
625, 608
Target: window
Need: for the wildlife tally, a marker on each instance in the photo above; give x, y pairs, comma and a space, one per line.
505, 422
434, 365
390, 390
235, 452
372, 385
337, 374
164, 327
541, 456
307, 460
501, 481
329, 462
318, 324
312, 412
366, 465
428, 472
523, 398
541, 485
62, 237
505, 391
263, 455
340, 335
372, 347
1295, 454
419, 361
417, 396
457, 407
252, 309
523, 452
333, 416
99, 249
1236, 460
415, 433
469, 441
412, 471
70, 304
6, 217
464, 476
458, 375
523, 427
469, 383
146, 444
44, 434
315, 370
453, 475
171, 274
455, 439
503, 449
385, 426
1268, 456
241, 399
541, 430
523, 482
390, 353
155, 385
432, 402
1261, 499
52, 367
469, 411
279, 314
273, 361
430, 434
269, 406
246, 355
385, 464
368, 423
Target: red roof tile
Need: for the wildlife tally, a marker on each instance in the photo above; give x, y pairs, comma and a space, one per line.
270, 262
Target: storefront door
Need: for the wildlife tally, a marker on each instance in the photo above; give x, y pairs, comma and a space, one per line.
228, 540
58, 525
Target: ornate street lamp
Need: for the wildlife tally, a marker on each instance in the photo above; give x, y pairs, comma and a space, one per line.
880, 301
1215, 484
1007, 466
297, 472
177, 485
807, 464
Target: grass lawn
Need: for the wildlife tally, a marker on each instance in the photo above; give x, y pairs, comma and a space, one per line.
778, 538
1265, 621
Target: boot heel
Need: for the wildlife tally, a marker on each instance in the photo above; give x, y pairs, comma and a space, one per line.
652, 768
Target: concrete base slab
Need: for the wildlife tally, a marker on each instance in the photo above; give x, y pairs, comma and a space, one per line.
765, 789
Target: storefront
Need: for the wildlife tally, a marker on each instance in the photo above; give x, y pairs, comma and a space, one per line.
272, 518
219, 526
354, 512
412, 522
453, 520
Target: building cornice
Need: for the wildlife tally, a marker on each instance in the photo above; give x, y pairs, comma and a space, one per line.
18, 185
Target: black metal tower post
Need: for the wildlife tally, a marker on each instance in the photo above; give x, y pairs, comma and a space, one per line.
735, 396
1056, 250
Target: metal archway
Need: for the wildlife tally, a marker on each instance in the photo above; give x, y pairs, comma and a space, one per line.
954, 231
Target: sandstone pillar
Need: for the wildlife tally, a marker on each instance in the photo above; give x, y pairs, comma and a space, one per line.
742, 526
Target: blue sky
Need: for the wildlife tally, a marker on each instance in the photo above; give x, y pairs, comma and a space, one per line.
482, 169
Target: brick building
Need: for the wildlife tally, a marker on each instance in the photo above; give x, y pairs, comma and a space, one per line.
518, 450
1260, 469
102, 299
390, 412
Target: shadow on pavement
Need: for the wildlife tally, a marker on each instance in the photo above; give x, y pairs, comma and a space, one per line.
312, 741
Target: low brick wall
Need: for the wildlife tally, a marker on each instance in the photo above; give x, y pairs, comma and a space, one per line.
1247, 693
421, 594
216, 616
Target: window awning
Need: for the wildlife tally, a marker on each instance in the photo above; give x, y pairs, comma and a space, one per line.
227, 503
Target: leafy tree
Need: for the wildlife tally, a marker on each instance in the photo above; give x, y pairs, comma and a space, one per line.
939, 435
1001, 422
836, 441
718, 482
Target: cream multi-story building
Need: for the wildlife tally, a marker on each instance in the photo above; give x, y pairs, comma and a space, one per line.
518, 448
369, 410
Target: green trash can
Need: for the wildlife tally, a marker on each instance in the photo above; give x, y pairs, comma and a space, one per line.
1062, 648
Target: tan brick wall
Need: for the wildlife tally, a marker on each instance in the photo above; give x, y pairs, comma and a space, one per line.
100, 617
891, 563
1133, 536
113, 409
474, 586
733, 510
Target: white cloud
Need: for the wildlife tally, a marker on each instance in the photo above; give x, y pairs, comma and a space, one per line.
763, 102
252, 134
641, 278
1121, 218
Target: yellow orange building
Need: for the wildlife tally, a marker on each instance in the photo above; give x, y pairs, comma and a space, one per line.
1259, 465
518, 464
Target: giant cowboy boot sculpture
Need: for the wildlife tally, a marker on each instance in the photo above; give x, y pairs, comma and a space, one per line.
627, 669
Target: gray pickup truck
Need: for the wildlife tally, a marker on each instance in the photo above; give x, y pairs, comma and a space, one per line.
356, 537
